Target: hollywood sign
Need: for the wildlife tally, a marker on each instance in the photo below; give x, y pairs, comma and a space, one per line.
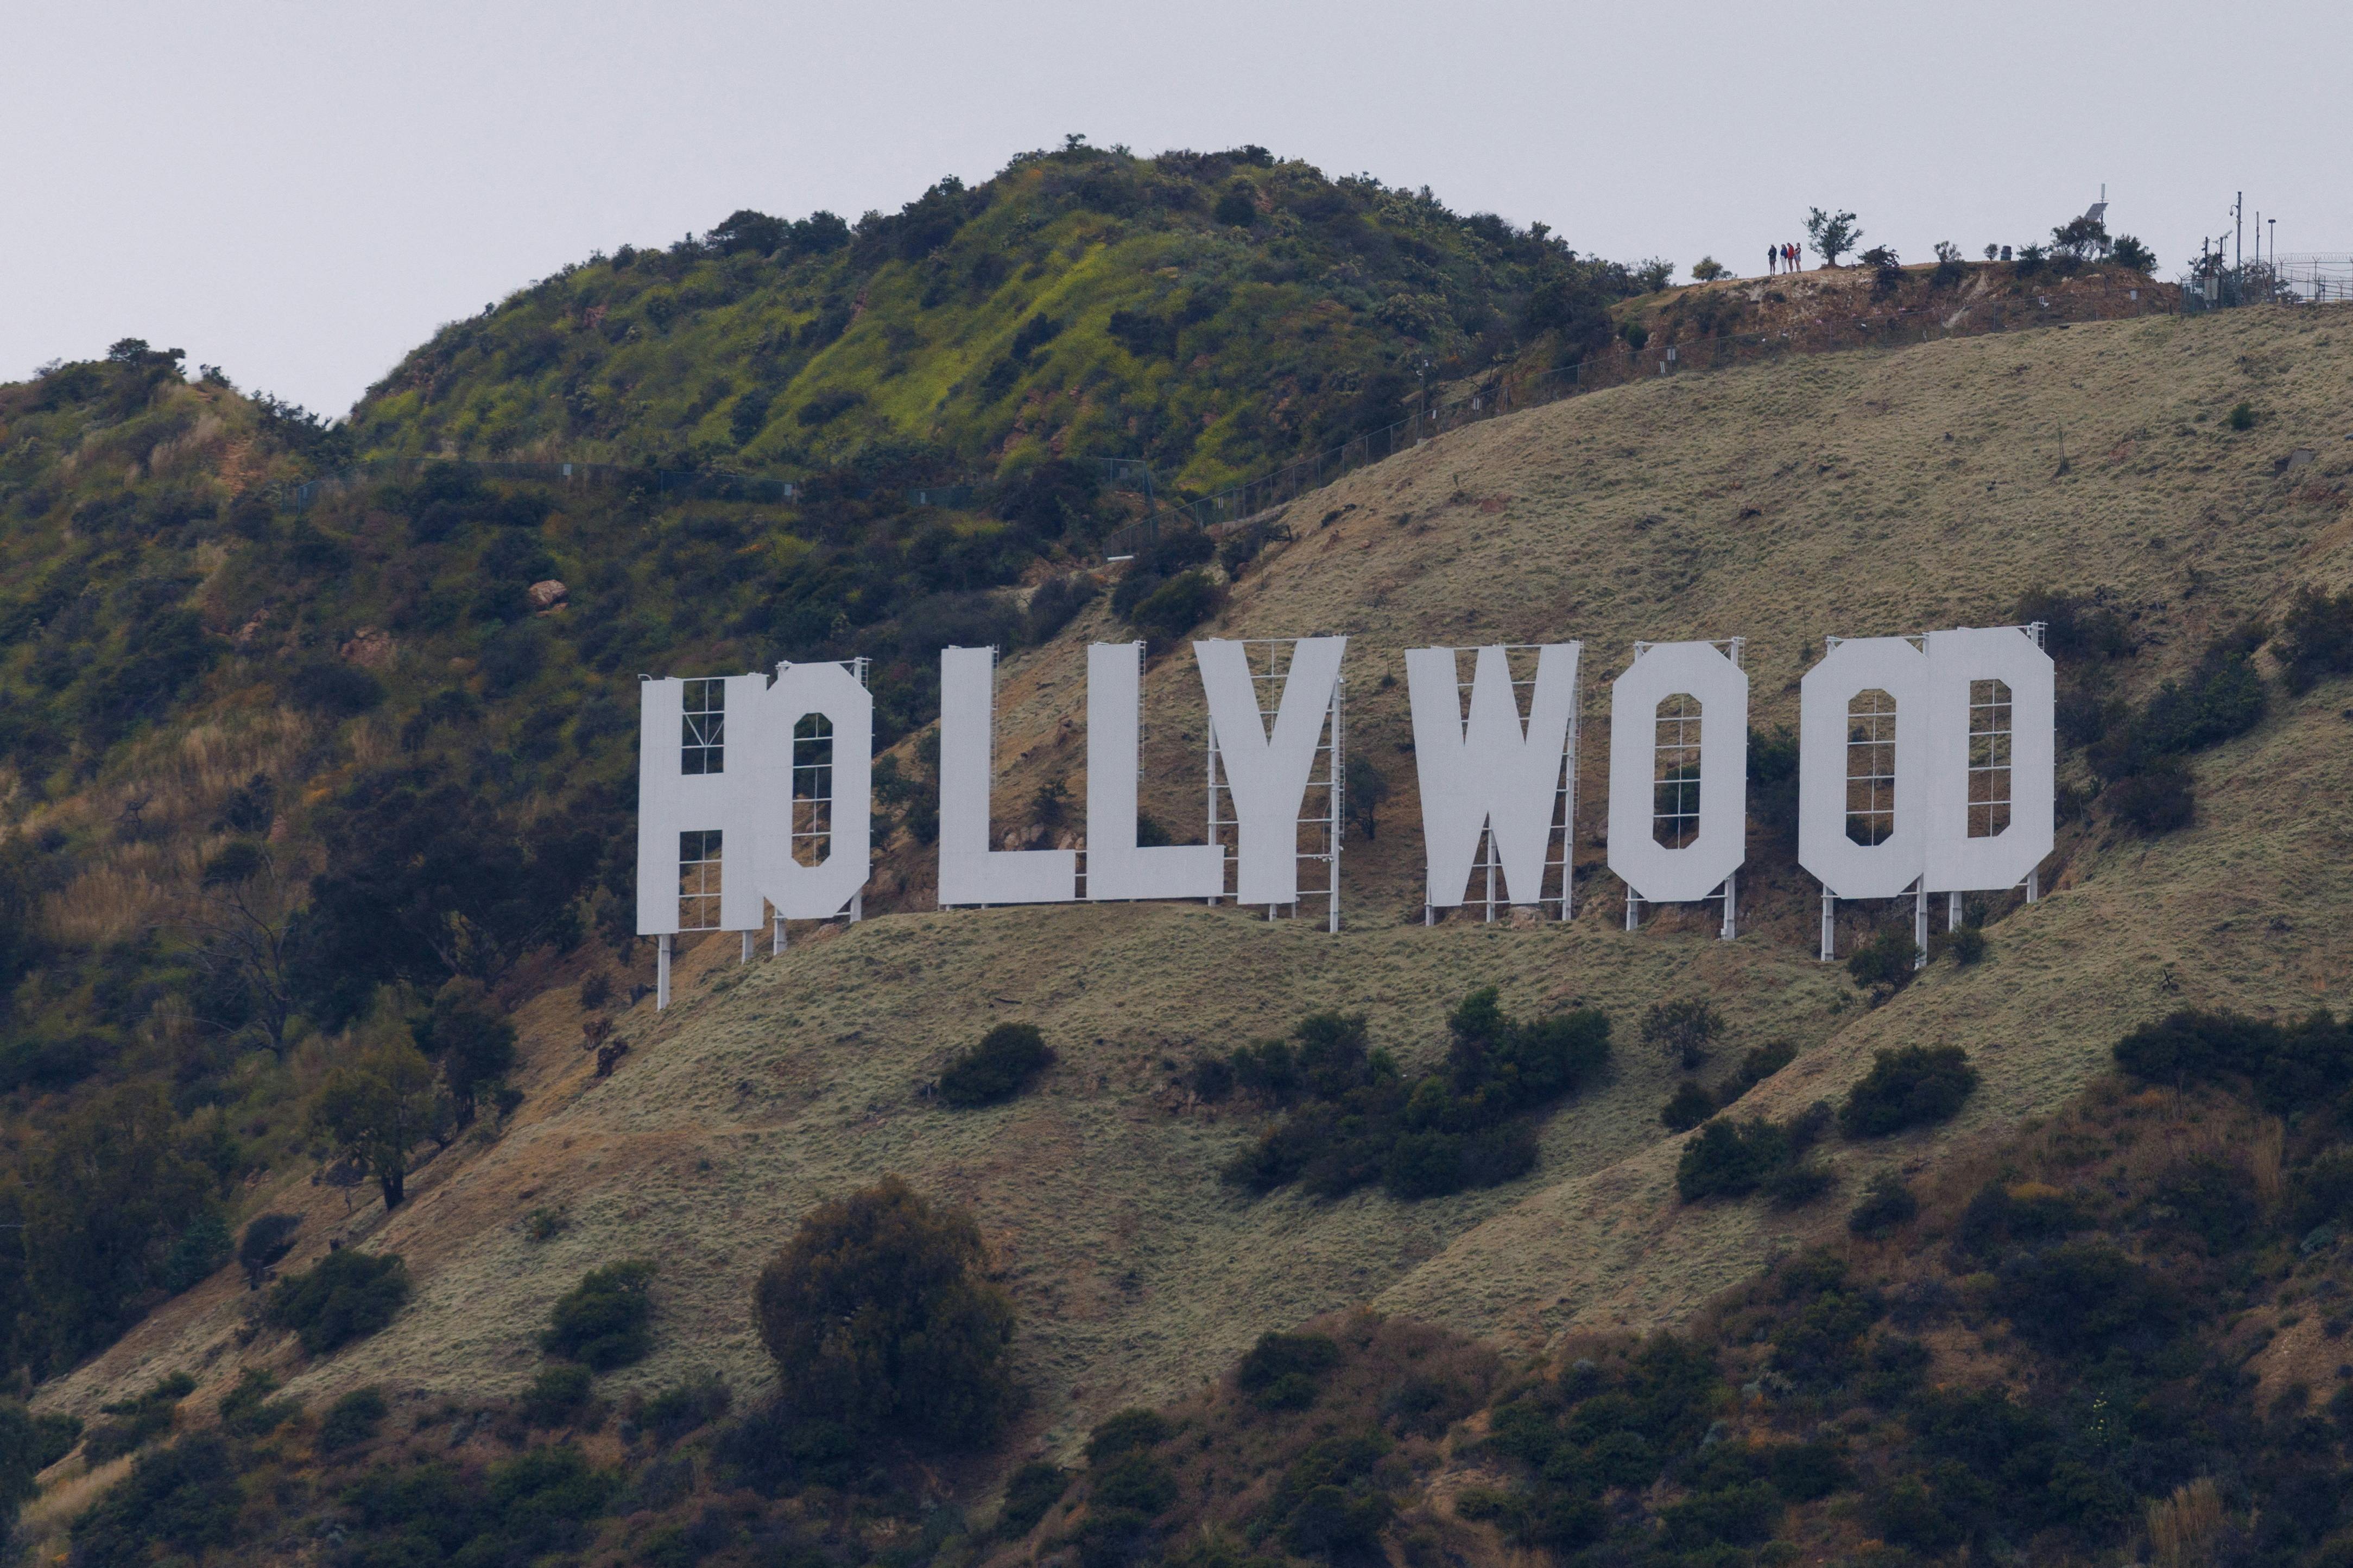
1925, 763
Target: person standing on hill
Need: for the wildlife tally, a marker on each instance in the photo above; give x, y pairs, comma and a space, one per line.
1772, 259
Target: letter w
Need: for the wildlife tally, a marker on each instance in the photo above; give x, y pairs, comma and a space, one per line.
1489, 773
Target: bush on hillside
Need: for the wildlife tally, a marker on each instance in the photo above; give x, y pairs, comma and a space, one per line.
881, 1319
1886, 1204
349, 1295
1682, 1029
1354, 1118
1889, 959
1034, 1488
470, 1035
557, 1396
268, 1239
2159, 801
1175, 607
1733, 1159
2317, 639
607, 1319
1911, 1087
137, 1421
353, 1419
183, 1497
1003, 1066
2288, 1067
1686, 1107
248, 1411
1285, 1371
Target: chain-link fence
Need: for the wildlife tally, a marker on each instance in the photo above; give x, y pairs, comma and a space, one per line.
2311, 279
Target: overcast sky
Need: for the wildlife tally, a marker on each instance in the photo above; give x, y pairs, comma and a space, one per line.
300, 192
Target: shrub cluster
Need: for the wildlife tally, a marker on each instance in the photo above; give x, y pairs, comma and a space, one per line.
349, 1295
1285, 1371
1910, 1087
882, 1320
2288, 1067
1005, 1063
606, 1321
1692, 1104
2317, 639
1734, 1159
1353, 1118
2139, 754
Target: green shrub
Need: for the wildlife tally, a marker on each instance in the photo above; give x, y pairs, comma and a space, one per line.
1731, 1159
2243, 416
1682, 1029
1003, 1066
1886, 1204
1686, 1107
1888, 958
55, 1433
2160, 801
2004, 1214
1761, 1063
349, 1295
1911, 1087
881, 1319
1798, 1183
606, 1321
681, 1408
200, 1249
1175, 607
138, 1420
2317, 639
1034, 1488
1285, 1371
267, 1239
248, 1411
351, 1420
2086, 1298
183, 1497
1355, 1119
556, 1396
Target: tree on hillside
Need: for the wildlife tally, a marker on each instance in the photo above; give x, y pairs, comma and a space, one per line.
2080, 239
468, 1032
1707, 270
97, 1213
881, 1317
375, 1109
1833, 234
244, 919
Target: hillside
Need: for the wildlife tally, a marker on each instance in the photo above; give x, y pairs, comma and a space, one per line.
1843, 494
1206, 313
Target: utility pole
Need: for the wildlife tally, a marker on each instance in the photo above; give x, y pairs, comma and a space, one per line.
2239, 232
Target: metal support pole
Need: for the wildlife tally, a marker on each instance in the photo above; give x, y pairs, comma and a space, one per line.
1830, 925
777, 937
747, 949
1953, 910
1491, 877
1920, 923
1633, 907
662, 974
1730, 878
858, 906
2033, 884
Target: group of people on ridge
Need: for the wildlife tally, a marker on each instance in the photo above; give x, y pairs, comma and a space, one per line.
1781, 258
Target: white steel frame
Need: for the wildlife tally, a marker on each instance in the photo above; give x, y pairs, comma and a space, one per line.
1489, 859
1333, 751
1733, 649
1919, 891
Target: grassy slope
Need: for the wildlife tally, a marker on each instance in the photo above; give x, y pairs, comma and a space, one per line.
1612, 517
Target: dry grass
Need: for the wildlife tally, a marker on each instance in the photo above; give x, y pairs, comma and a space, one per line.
1614, 517
2182, 1528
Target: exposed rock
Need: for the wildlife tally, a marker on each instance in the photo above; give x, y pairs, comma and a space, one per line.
547, 596
370, 647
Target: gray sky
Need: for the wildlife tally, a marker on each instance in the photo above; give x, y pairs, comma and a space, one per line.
300, 192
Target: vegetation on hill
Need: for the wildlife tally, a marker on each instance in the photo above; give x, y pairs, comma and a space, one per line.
1203, 312
1351, 1117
